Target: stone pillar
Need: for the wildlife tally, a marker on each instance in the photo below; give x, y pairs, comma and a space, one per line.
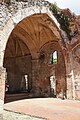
69, 86
30, 82
2, 89
2, 83
35, 78
40, 79
70, 77
60, 72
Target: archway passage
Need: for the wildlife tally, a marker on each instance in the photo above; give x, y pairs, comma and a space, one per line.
27, 55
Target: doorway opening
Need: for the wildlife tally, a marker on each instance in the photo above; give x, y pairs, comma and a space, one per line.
21, 60
24, 83
53, 86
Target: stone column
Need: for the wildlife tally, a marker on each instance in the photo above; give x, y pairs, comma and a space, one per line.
69, 86
35, 77
30, 82
2, 89
40, 79
2, 83
70, 77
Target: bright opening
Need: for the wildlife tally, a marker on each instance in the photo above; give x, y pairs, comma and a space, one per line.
53, 58
53, 86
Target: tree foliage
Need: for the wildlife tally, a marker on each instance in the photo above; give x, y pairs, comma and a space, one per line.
61, 18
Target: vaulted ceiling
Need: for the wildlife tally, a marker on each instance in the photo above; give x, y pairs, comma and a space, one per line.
30, 35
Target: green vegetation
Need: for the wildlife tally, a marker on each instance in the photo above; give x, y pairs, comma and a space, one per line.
54, 61
61, 18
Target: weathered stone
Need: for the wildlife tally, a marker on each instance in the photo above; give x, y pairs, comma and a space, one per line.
29, 35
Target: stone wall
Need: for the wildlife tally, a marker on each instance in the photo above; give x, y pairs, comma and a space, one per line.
39, 71
2, 89
76, 66
2, 83
16, 69
42, 70
8, 12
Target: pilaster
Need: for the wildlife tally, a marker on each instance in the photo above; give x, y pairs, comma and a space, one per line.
2, 90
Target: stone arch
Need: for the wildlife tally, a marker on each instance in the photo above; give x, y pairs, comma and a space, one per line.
32, 32
15, 18
49, 24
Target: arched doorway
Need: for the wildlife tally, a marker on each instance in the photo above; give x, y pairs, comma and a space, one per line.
28, 53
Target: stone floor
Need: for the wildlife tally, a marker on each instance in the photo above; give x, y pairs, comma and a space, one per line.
48, 108
17, 116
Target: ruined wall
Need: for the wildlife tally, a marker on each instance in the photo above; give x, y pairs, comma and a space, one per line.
76, 66
16, 69
2, 82
2, 89
43, 70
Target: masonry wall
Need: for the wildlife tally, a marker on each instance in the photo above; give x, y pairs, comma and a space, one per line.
16, 69
39, 71
76, 66
42, 70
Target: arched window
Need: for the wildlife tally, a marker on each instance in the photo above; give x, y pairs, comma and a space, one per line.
53, 58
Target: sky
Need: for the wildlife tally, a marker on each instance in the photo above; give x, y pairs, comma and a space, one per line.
73, 5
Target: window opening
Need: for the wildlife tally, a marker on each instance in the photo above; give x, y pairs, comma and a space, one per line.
26, 79
24, 83
53, 58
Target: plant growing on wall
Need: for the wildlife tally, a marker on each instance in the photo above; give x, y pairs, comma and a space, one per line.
61, 18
